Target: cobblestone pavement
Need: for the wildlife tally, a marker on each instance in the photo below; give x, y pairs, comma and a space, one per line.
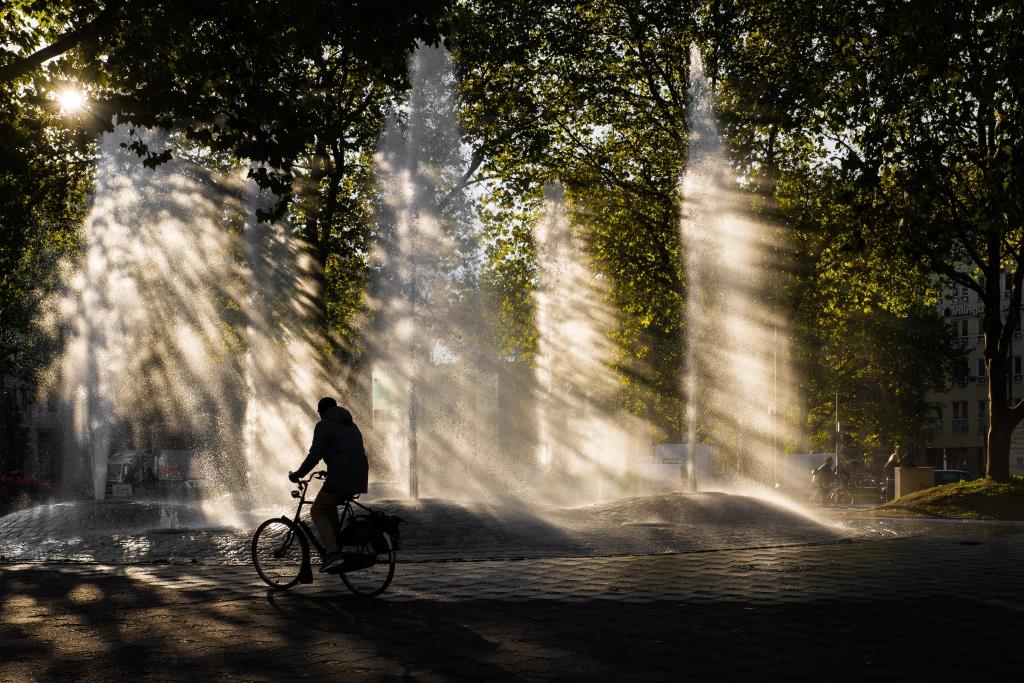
943, 605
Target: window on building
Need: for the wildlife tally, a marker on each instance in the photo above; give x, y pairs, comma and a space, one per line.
1016, 365
960, 417
964, 331
937, 421
1008, 281
981, 367
983, 416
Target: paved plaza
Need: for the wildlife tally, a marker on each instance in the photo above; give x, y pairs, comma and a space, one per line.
934, 600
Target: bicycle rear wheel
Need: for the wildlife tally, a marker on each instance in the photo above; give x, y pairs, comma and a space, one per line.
843, 497
278, 550
377, 547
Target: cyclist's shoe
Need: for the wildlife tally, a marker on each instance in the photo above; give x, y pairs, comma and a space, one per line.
332, 560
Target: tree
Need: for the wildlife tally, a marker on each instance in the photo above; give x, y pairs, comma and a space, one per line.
592, 95
865, 323
867, 334
916, 108
44, 177
298, 90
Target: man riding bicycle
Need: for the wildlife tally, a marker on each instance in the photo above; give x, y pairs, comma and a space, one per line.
339, 443
824, 477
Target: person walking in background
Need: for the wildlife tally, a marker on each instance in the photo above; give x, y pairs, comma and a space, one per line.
339, 443
890, 473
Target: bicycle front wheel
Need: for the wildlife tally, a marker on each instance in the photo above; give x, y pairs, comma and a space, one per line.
844, 497
278, 550
378, 550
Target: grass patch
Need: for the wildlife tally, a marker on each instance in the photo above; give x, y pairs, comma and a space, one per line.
978, 499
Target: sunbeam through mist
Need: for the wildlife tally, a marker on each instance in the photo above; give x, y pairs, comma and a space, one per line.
737, 380
189, 330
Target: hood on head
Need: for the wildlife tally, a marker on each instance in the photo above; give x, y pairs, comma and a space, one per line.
339, 415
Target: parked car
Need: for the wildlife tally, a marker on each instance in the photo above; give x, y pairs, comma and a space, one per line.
951, 476
128, 472
168, 473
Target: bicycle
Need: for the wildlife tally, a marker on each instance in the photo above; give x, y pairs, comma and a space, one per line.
821, 491
369, 543
868, 489
840, 495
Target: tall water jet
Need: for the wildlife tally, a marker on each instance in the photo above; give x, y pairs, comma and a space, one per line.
435, 380
734, 378
183, 315
451, 415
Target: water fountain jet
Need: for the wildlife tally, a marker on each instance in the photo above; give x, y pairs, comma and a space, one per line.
736, 372
189, 331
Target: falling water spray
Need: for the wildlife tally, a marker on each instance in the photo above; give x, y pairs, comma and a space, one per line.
699, 213
188, 331
736, 373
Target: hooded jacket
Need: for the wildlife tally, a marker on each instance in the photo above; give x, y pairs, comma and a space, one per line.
339, 443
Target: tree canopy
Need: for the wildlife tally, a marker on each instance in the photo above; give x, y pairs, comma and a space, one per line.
885, 136
591, 95
906, 116
297, 90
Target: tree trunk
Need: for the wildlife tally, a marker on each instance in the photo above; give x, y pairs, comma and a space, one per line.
317, 232
1001, 420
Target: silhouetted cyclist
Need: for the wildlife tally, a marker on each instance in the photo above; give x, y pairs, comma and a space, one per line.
824, 477
339, 443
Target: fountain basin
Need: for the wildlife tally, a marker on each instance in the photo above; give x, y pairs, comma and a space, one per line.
76, 518
434, 529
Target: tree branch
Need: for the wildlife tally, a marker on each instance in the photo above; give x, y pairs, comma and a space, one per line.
477, 160
68, 41
941, 267
652, 86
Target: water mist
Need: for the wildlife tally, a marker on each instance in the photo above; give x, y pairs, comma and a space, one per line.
187, 327
736, 377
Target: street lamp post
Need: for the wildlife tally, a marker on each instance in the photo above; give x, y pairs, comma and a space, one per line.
838, 432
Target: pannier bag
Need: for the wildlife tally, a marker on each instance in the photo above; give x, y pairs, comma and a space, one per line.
388, 524
360, 529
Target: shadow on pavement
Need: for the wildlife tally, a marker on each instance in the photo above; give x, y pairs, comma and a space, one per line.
100, 625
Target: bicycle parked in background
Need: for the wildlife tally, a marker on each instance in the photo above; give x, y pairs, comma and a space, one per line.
367, 538
839, 493
869, 489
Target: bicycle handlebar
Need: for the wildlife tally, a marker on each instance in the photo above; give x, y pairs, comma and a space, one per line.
319, 474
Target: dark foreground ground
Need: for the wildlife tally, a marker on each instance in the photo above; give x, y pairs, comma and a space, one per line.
942, 605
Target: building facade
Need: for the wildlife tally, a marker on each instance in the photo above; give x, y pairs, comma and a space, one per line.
960, 428
30, 442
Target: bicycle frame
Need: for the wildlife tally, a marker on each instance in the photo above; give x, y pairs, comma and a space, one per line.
346, 514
